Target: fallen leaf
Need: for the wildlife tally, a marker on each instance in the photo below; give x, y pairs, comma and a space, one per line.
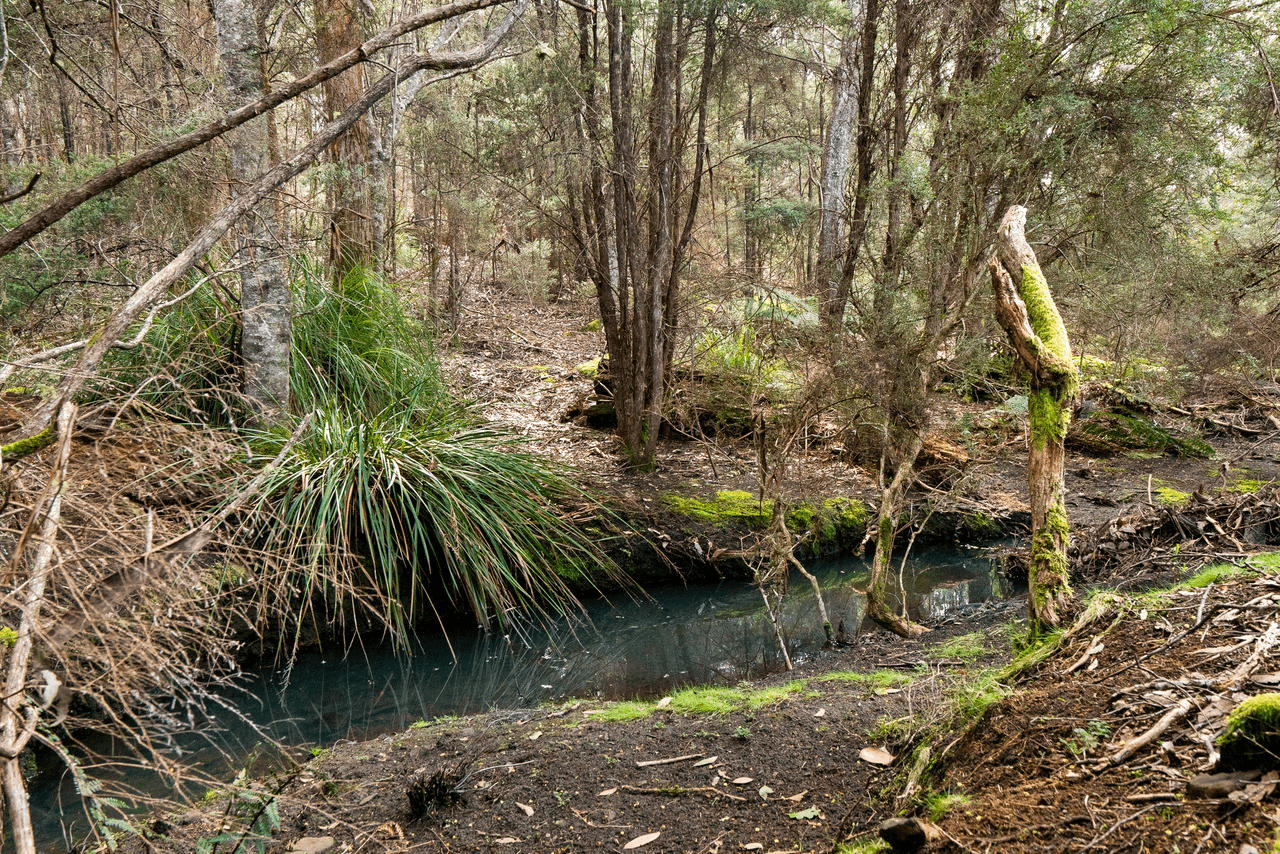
642, 840
663, 703
752, 846
535, 736
821, 713
483, 784
528, 810
607, 792
1265, 678
797, 797
811, 812
876, 756
765, 792
706, 761
508, 840
882, 691
742, 781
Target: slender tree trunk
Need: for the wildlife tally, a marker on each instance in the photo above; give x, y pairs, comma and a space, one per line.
837, 149
266, 313
1028, 314
354, 235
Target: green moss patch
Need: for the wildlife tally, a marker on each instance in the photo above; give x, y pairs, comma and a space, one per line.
1252, 737
1111, 433
1169, 496
728, 506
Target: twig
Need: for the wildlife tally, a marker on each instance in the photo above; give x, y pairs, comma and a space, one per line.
684, 758
17, 194
1120, 824
681, 790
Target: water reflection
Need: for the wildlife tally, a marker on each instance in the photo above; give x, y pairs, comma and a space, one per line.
619, 649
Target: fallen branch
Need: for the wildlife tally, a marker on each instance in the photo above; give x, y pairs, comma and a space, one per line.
1177, 713
649, 762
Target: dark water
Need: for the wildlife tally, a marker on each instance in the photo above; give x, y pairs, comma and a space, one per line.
619, 649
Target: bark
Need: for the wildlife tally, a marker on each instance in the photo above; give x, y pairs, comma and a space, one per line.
17, 716
115, 327
833, 306
891, 503
354, 225
265, 301
126, 169
837, 150
1029, 316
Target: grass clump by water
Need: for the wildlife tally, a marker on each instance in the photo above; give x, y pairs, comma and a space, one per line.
968, 648
395, 496
878, 680
626, 710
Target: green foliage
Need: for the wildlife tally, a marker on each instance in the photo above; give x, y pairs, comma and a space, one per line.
254, 816
742, 733
708, 700
1086, 738
1212, 575
878, 680
417, 510
869, 845
968, 648
624, 711
357, 348
938, 804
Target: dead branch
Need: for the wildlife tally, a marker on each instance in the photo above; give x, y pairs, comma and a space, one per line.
123, 317
1177, 713
121, 172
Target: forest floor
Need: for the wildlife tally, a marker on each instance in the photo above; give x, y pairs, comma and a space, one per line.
780, 766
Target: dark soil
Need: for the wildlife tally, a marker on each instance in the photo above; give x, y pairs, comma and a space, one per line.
558, 779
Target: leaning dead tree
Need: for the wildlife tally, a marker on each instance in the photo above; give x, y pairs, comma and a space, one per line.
1028, 314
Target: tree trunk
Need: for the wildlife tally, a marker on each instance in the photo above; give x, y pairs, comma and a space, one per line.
903, 457
1028, 314
354, 235
265, 302
836, 151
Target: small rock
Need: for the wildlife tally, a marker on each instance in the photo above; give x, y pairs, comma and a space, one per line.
313, 845
908, 834
1217, 786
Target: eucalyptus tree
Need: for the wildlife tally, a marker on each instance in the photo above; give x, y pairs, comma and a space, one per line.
265, 300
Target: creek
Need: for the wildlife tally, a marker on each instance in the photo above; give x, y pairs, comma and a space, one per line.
618, 648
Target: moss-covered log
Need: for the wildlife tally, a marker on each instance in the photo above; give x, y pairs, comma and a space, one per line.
24, 447
1028, 314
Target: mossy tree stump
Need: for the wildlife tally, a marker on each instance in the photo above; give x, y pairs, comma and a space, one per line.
1028, 314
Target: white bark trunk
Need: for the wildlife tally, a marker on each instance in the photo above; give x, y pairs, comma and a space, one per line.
265, 303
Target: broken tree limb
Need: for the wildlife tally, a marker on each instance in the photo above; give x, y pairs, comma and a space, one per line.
1029, 316
92, 355
1171, 717
15, 727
